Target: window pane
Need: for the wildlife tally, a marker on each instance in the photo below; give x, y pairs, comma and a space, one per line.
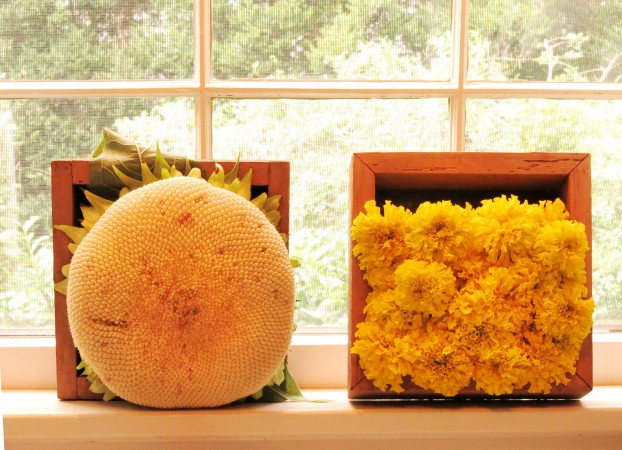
331, 39
103, 40
593, 127
555, 40
318, 138
35, 132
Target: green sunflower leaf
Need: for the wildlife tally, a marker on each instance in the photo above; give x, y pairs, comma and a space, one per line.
260, 200
61, 286
99, 203
160, 163
272, 203
146, 174
195, 173
233, 173
129, 182
126, 154
245, 185
218, 177
274, 217
76, 234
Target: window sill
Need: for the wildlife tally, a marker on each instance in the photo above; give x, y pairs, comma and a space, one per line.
36, 419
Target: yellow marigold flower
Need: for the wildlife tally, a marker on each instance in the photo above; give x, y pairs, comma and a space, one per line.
380, 277
467, 306
381, 308
554, 210
510, 286
527, 277
483, 336
507, 229
444, 366
440, 232
492, 298
424, 287
473, 266
562, 245
385, 359
380, 305
500, 370
495, 296
552, 360
564, 314
379, 238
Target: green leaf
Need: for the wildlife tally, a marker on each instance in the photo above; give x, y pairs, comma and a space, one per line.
160, 163
129, 182
99, 203
37, 243
195, 173
146, 175
260, 200
271, 394
287, 390
218, 177
29, 223
272, 203
188, 167
165, 173
76, 234
91, 216
233, 187
233, 173
126, 154
109, 395
274, 217
245, 185
175, 172
291, 387
61, 286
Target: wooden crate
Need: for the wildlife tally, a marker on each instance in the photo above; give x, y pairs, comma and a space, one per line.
412, 178
69, 179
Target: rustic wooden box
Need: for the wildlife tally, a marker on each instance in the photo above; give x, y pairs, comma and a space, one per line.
409, 179
69, 179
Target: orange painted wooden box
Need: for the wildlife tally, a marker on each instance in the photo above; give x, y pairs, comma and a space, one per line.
410, 179
69, 179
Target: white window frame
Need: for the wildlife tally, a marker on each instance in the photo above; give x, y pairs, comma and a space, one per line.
317, 360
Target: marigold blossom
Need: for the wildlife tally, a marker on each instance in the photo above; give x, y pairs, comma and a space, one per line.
494, 296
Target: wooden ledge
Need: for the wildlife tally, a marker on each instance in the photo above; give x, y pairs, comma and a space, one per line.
37, 419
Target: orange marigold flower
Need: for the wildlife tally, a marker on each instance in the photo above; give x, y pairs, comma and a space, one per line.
380, 245
424, 287
440, 232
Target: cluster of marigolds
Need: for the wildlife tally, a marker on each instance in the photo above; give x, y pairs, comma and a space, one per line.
494, 295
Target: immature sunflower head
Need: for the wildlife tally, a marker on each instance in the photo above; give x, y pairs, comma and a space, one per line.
182, 295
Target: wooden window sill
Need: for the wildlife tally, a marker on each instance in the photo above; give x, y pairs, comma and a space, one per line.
36, 419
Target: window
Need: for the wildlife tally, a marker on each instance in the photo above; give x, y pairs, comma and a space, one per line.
310, 81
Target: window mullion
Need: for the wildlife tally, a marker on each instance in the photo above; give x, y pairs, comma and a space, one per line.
202, 58
459, 58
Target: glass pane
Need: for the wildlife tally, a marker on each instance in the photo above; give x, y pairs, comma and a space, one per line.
555, 40
35, 132
318, 138
102, 40
331, 39
593, 127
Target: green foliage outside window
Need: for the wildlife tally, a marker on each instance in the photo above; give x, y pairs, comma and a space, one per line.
303, 39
